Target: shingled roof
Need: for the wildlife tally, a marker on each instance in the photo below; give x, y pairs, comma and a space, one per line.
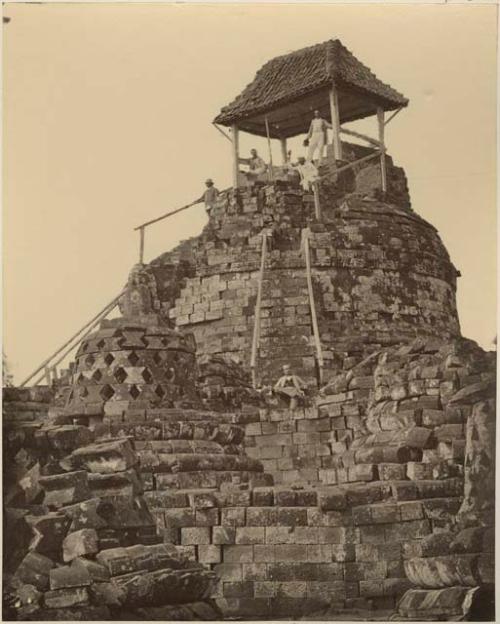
289, 87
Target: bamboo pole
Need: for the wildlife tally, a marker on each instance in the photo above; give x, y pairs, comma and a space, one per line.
271, 173
381, 128
75, 344
335, 115
256, 324
95, 319
141, 245
312, 306
358, 135
284, 155
359, 161
236, 161
317, 207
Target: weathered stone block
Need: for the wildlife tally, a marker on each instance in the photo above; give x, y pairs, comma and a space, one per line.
80, 543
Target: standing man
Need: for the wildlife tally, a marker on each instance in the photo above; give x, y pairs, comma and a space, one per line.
209, 196
316, 137
256, 166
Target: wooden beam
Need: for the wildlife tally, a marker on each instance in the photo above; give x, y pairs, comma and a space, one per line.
335, 115
358, 135
392, 116
141, 245
312, 306
223, 133
256, 324
235, 144
381, 128
317, 206
96, 319
284, 155
270, 169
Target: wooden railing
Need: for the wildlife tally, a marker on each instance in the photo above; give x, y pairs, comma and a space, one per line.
258, 302
49, 367
312, 305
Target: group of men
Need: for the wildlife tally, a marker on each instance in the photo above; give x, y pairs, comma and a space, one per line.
308, 172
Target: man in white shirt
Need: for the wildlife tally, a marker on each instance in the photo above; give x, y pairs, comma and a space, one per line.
209, 196
316, 137
307, 171
256, 166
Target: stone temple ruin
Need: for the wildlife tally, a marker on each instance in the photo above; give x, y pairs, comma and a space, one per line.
161, 477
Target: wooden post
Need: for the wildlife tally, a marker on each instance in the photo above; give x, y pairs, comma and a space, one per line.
271, 173
312, 306
381, 132
284, 155
236, 155
47, 375
141, 245
317, 207
335, 114
256, 324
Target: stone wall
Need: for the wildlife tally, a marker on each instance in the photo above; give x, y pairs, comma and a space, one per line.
381, 275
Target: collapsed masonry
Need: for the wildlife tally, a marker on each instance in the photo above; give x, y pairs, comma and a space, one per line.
155, 482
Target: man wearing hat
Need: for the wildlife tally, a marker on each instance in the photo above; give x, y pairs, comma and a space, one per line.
210, 195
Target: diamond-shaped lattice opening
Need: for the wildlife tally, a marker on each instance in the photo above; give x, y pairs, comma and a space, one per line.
83, 392
97, 376
107, 392
147, 376
134, 392
100, 344
79, 378
133, 358
120, 375
71, 395
90, 360
84, 346
109, 359
157, 359
160, 392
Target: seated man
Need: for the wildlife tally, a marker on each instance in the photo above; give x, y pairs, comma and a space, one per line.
307, 171
256, 166
290, 387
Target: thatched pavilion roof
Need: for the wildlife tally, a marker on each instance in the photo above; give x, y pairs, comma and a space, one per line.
288, 88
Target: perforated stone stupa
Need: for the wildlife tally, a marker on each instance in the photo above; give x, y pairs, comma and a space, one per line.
163, 478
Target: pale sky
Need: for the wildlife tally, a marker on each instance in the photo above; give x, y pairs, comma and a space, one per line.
107, 113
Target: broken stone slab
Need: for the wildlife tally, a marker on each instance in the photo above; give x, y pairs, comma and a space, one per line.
473, 393
126, 483
85, 515
66, 577
438, 604
80, 543
103, 457
65, 489
65, 438
49, 531
443, 571
109, 594
65, 598
97, 572
122, 512
34, 570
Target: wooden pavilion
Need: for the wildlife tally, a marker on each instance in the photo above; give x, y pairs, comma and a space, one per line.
280, 101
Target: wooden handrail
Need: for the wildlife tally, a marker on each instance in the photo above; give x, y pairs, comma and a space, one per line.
375, 154
312, 305
92, 323
358, 135
256, 325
